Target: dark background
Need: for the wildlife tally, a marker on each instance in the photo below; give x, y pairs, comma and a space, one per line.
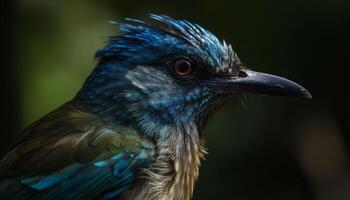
261, 147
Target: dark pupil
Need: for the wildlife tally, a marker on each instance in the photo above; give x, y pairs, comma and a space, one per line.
183, 66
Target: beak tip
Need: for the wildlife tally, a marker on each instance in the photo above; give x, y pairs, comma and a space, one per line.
306, 94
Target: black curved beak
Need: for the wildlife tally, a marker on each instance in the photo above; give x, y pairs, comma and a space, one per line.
261, 83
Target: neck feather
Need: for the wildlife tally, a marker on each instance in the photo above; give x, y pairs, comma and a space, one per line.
173, 174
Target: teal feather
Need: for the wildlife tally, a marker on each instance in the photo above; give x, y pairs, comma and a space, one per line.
90, 159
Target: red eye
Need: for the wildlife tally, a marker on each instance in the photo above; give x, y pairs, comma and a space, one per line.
183, 67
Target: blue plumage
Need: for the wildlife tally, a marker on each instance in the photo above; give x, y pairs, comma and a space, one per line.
133, 131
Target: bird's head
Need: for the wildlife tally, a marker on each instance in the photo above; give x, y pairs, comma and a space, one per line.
172, 74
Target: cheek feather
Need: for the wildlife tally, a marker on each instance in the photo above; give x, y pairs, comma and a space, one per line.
150, 80
159, 88
159, 97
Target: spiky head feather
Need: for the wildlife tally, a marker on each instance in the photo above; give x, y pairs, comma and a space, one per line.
141, 40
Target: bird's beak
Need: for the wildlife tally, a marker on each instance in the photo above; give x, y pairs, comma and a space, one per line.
260, 83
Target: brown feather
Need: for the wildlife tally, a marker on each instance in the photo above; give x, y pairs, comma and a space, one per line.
65, 136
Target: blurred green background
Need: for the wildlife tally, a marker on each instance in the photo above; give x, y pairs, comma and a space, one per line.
260, 148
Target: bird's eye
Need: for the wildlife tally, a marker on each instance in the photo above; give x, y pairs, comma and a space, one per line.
183, 67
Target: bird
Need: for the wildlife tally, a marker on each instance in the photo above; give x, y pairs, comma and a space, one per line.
134, 129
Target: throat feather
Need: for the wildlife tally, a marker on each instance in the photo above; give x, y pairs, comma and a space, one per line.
173, 174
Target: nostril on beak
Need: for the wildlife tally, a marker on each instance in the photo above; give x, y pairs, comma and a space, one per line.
242, 74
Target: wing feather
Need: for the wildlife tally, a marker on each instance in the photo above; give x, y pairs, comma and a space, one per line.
73, 154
